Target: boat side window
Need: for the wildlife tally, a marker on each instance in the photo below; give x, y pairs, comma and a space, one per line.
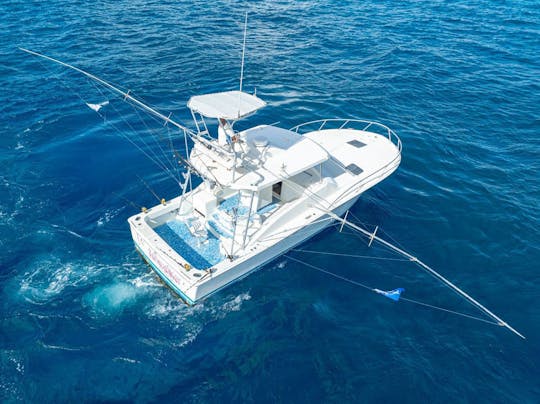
264, 197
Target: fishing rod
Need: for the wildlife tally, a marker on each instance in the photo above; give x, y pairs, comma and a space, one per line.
161, 200
126, 95
128, 201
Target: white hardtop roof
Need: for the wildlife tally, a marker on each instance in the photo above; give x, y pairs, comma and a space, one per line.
287, 154
228, 105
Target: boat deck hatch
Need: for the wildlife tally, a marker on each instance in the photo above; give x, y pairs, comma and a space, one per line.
356, 143
353, 168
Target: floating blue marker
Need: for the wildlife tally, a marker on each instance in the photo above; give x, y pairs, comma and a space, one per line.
391, 294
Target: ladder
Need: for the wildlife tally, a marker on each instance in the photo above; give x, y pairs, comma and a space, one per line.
200, 123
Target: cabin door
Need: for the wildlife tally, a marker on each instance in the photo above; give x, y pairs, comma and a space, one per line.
276, 192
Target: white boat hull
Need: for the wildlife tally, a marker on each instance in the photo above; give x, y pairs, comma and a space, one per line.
169, 271
361, 159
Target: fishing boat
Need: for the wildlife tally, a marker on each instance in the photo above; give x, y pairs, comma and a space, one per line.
249, 196
264, 190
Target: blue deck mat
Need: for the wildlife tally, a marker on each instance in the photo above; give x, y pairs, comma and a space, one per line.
230, 203
267, 208
233, 202
179, 238
219, 229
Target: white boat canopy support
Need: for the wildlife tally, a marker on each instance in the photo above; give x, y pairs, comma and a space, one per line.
230, 105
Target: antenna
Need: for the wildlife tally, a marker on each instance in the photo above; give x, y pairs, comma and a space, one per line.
243, 52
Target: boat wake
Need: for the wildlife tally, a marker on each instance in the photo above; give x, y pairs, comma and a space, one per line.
49, 277
111, 299
193, 319
108, 216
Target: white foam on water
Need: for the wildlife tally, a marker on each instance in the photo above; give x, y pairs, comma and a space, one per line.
179, 316
172, 309
58, 347
49, 277
108, 216
11, 390
13, 370
147, 280
123, 359
190, 336
65, 229
19, 366
192, 319
232, 305
112, 299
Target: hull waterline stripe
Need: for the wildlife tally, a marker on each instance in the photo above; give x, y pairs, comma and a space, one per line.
164, 278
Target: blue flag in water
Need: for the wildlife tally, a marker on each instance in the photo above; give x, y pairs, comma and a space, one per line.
391, 294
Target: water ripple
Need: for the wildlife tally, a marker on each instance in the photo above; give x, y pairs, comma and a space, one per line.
457, 81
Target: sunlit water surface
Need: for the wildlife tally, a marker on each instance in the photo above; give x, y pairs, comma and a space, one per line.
83, 318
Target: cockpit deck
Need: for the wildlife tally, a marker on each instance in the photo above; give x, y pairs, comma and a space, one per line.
203, 241
201, 252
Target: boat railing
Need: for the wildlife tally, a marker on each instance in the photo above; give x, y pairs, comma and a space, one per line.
356, 124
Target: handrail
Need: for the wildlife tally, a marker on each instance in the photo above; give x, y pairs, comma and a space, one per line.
337, 123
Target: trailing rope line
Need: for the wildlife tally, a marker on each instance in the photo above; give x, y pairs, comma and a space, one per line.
401, 298
352, 255
155, 158
450, 311
326, 207
431, 271
135, 102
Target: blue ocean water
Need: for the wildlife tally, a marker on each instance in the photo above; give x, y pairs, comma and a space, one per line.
83, 318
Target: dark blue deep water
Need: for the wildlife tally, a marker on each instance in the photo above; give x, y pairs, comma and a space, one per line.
83, 318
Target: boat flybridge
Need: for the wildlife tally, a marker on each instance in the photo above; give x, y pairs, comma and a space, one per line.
264, 190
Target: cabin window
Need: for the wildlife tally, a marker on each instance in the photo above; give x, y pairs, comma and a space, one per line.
264, 197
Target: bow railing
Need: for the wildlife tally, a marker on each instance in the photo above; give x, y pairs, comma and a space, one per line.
356, 124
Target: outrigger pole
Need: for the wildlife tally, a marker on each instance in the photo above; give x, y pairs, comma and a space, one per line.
373, 236
426, 267
126, 95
